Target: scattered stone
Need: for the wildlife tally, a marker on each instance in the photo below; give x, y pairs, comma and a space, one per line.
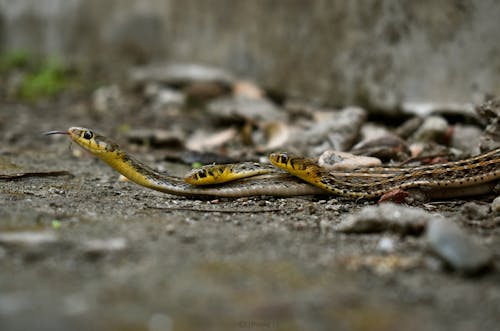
457, 249
385, 217
338, 130
179, 75
409, 127
170, 229
370, 131
490, 113
247, 89
474, 210
266, 136
386, 245
156, 137
201, 140
203, 91
163, 96
335, 160
495, 205
27, 238
424, 109
382, 265
397, 196
160, 322
433, 129
243, 108
388, 147
98, 247
466, 138
107, 98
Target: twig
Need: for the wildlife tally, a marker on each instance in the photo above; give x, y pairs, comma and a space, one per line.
20, 175
207, 210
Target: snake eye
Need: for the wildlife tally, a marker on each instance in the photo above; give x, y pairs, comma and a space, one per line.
88, 135
283, 158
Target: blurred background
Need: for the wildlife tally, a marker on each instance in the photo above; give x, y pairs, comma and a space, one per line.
381, 55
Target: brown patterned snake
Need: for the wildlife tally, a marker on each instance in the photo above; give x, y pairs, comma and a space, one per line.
239, 180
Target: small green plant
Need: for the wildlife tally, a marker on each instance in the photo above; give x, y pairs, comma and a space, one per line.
39, 78
46, 81
56, 224
14, 60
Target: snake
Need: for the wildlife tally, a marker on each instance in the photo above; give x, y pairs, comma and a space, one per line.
289, 175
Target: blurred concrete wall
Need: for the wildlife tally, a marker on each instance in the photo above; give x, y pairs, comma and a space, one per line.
371, 52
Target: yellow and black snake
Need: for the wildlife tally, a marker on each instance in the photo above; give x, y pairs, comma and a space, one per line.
251, 179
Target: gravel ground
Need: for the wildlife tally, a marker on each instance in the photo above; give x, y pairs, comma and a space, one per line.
89, 252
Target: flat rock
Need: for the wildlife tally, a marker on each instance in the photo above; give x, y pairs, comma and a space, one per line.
337, 129
179, 74
241, 107
97, 247
335, 160
456, 248
27, 238
387, 217
433, 129
490, 113
495, 205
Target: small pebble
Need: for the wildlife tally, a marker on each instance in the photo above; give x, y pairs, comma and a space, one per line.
239, 107
160, 322
103, 246
434, 129
466, 138
386, 245
456, 248
170, 229
495, 205
473, 210
27, 238
335, 160
385, 217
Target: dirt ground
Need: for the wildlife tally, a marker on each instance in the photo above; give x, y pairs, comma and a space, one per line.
111, 255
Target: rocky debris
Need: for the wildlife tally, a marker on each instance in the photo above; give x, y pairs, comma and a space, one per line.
381, 265
387, 217
466, 138
387, 147
425, 109
162, 96
179, 75
204, 141
237, 108
490, 113
337, 130
28, 238
411, 125
107, 99
456, 248
433, 129
244, 88
268, 136
474, 210
386, 245
156, 137
334, 160
98, 247
495, 205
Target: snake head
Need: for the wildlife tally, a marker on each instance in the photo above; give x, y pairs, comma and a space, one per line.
90, 141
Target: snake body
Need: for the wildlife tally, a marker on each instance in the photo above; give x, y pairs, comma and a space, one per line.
275, 184
250, 179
